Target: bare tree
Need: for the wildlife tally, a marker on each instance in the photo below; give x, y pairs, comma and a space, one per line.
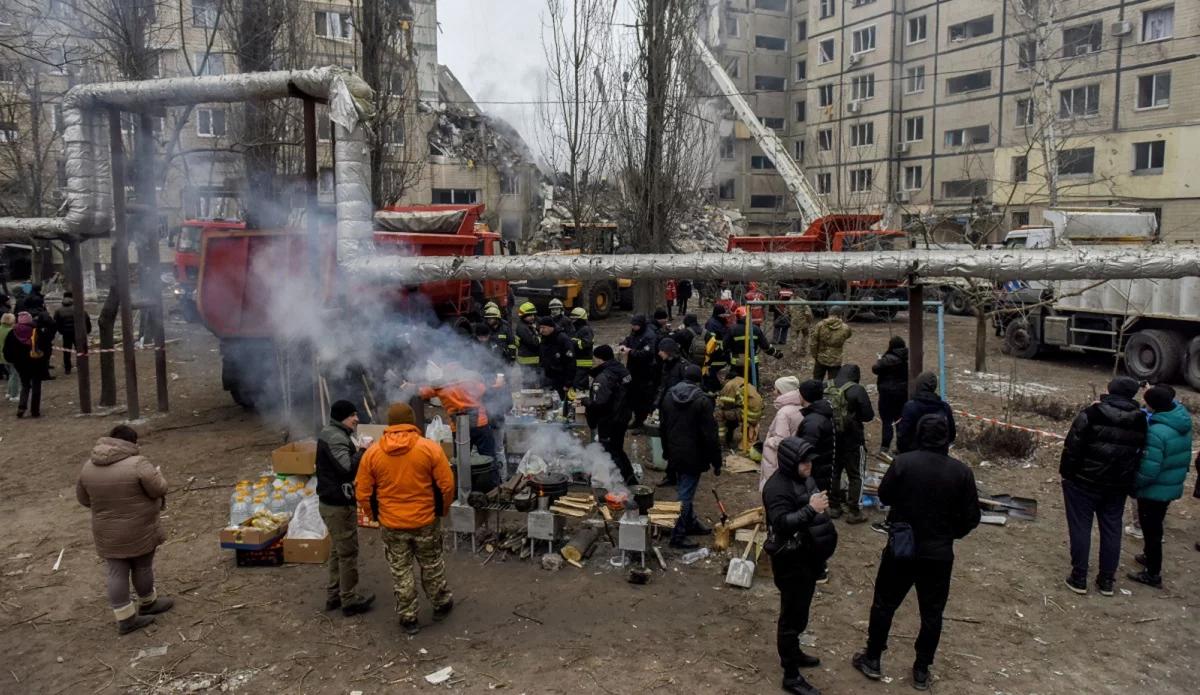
577, 41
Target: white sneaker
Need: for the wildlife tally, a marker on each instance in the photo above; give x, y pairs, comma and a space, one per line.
1133, 532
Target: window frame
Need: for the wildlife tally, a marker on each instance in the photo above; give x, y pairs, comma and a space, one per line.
802, 30
1025, 104
732, 149
732, 182
1026, 55
923, 22
1019, 168
1096, 31
827, 9
759, 88
969, 90
761, 162
801, 111
908, 177
1146, 24
862, 134
824, 90
783, 42
965, 25
911, 76
731, 22
915, 124
825, 140
862, 180
822, 57
824, 183
1150, 170
1058, 163
211, 111
1154, 89
802, 70
867, 31
862, 87
1087, 90
776, 205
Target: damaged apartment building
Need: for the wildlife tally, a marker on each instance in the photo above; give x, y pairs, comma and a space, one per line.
931, 108
433, 144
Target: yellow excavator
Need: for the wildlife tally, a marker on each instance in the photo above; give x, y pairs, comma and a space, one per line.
599, 297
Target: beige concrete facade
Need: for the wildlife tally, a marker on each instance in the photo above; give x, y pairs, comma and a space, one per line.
912, 105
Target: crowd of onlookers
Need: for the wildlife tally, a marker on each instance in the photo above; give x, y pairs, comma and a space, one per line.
27, 333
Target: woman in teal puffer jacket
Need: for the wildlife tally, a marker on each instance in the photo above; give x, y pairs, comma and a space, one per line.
1164, 467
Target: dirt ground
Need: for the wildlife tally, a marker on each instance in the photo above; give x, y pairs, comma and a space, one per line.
1012, 626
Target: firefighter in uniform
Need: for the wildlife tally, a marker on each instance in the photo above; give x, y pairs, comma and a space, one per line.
529, 343
561, 321
500, 335
584, 338
735, 347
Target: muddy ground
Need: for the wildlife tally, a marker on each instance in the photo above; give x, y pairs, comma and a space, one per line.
1012, 626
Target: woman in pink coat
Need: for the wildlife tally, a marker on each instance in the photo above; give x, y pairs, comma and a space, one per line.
126, 493
787, 420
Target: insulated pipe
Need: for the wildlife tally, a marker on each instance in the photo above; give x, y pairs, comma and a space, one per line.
1105, 263
88, 197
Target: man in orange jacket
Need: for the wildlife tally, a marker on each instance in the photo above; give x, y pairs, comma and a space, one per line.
464, 394
411, 480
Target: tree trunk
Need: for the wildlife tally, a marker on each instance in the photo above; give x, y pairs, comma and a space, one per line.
981, 336
108, 361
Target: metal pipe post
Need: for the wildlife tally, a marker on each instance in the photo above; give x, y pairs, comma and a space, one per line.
943, 385
462, 452
82, 368
916, 334
313, 227
746, 387
120, 258
149, 202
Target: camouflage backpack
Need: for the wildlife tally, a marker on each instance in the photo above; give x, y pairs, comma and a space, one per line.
836, 395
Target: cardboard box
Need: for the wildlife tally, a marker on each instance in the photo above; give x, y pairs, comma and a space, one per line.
311, 550
295, 458
271, 556
372, 431
249, 538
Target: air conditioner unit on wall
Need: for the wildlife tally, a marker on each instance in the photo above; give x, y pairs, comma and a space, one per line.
902, 148
902, 197
1121, 28
854, 107
855, 59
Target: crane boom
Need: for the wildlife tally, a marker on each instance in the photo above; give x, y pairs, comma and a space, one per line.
810, 205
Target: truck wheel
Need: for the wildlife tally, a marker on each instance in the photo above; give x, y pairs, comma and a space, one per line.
956, 302
1019, 340
1154, 355
600, 301
1191, 365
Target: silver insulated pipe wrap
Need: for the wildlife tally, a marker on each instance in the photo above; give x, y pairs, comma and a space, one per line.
89, 191
1060, 264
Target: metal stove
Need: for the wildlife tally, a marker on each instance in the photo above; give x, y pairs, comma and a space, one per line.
462, 515
633, 534
543, 525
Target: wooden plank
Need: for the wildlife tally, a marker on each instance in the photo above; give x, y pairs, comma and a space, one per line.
568, 511
747, 519
667, 507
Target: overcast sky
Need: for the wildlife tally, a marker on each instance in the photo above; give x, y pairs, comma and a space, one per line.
494, 47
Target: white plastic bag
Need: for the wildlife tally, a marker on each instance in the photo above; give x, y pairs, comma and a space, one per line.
438, 431
307, 522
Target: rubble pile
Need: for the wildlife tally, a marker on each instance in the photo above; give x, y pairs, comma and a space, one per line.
466, 134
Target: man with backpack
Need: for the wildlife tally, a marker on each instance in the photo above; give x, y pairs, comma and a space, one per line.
817, 429
828, 341
851, 410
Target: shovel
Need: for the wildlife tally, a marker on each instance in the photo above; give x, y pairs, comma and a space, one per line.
741, 570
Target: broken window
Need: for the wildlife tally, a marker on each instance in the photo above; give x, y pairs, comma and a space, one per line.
210, 123
1154, 90
801, 30
767, 202
772, 123
510, 183
205, 13
916, 80
726, 148
760, 162
824, 183
770, 43
1026, 55
969, 83
861, 180
862, 134
455, 196
825, 140
964, 188
1078, 162
768, 83
1079, 101
961, 137
727, 189
1020, 169
825, 95
825, 51
1025, 112
914, 178
801, 70
335, 25
863, 40
801, 111
8, 131
971, 29
1081, 40
733, 67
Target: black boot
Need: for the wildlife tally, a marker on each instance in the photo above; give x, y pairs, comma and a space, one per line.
867, 666
795, 684
920, 677
158, 605
134, 622
807, 660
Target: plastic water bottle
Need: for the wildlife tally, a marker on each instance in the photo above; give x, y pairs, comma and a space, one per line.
291, 500
239, 509
277, 505
695, 556
258, 505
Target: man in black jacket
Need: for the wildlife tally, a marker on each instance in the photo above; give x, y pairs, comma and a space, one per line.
672, 373
557, 357
1099, 464
925, 401
817, 429
64, 323
850, 444
689, 441
337, 464
892, 372
608, 409
640, 347
935, 496
800, 539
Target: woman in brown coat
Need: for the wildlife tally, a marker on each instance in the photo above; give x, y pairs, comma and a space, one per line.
125, 493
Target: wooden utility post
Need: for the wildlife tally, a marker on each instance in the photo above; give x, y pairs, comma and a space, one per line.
152, 290
916, 332
82, 368
120, 258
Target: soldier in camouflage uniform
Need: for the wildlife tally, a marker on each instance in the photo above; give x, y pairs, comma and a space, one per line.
425, 546
410, 478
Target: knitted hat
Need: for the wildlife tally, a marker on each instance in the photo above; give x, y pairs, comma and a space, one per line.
660, 314
669, 346
546, 321
812, 390
1123, 386
603, 352
787, 384
401, 414
1160, 398
340, 410
692, 373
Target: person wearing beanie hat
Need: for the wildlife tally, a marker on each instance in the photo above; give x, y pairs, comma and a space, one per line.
641, 350
18, 353
816, 428
787, 384
789, 414
672, 373
338, 457
410, 479
607, 408
661, 319
1099, 466
925, 401
691, 446
1160, 476
557, 357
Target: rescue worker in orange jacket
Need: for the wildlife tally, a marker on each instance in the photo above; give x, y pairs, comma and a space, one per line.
463, 392
411, 481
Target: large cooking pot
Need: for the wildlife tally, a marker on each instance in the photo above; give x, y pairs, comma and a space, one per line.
552, 485
482, 479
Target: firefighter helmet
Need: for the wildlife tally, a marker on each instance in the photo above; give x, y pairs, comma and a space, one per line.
579, 313
527, 309
556, 303
491, 311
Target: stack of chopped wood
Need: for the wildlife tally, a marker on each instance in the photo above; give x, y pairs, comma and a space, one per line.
665, 514
576, 505
501, 545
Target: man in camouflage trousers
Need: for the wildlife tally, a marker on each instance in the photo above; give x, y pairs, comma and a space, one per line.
411, 480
